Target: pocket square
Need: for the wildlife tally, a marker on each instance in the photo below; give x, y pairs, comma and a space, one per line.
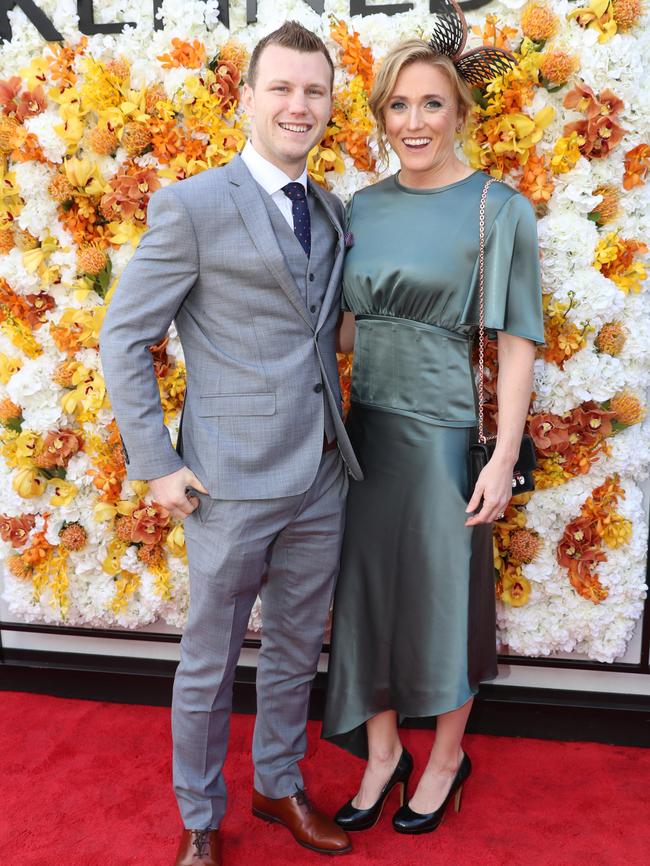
348, 239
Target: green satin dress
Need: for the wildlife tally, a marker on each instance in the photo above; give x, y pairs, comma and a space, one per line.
414, 618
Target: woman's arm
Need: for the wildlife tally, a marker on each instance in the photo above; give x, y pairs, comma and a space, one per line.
345, 334
494, 485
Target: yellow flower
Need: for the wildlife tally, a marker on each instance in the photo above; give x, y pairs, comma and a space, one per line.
617, 532
8, 366
102, 88
103, 512
84, 176
125, 586
27, 445
10, 201
597, 15
36, 258
64, 491
126, 232
516, 590
566, 153
322, 159
139, 488
115, 550
35, 74
28, 483
176, 541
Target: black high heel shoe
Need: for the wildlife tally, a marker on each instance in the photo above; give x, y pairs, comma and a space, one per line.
406, 820
351, 818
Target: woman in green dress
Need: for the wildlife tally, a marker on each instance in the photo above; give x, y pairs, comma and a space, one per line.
414, 619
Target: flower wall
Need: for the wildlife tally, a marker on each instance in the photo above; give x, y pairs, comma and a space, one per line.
91, 127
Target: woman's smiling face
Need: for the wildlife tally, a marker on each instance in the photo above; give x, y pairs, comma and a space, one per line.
421, 119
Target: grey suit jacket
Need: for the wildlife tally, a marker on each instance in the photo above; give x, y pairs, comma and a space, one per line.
257, 366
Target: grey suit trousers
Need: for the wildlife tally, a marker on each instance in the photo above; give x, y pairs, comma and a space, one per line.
230, 544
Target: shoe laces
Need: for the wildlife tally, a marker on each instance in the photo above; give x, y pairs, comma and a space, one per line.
302, 799
200, 841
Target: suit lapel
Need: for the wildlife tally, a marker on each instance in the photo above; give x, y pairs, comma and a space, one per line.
334, 281
251, 208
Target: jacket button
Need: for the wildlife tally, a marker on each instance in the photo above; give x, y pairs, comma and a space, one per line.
311, 278
313, 308
318, 388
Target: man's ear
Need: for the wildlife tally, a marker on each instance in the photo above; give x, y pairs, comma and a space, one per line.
248, 99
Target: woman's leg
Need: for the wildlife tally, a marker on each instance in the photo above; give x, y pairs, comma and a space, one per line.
444, 760
384, 750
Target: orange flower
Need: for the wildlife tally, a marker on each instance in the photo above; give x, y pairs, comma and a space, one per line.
356, 58
103, 141
19, 568
536, 182
234, 52
524, 545
538, 22
73, 536
155, 93
59, 446
91, 259
550, 433
31, 103
150, 523
600, 136
627, 13
226, 86
6, 240
558, 66
39, 305
130, 194
9, 411
190, 55
493, 34
610, 339
62, 61
627, 409
15, 530
637, 164
608, 208
136, 138
151, 554
120, 68
161, 364
61, 189
9, 91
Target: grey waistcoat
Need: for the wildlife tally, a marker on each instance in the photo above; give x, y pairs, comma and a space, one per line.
319, 264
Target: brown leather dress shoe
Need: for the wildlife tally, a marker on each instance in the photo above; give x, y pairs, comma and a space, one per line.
309, 828
198, 848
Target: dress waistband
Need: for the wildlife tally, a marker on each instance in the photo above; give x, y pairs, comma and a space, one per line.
425, 326
410, 367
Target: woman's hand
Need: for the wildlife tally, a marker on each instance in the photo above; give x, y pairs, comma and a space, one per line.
493, 489
492, 493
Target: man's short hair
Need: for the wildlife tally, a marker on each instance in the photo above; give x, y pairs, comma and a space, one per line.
291, 35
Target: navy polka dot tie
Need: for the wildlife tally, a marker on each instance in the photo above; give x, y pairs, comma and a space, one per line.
300, 210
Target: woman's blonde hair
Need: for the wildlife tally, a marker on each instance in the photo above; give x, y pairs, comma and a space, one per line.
403, 55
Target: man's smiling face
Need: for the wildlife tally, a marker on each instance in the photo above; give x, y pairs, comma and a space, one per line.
289, 104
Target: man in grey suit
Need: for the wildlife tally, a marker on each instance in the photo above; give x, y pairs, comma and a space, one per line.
247, 260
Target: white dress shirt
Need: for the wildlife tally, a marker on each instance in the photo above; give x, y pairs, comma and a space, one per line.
272, 179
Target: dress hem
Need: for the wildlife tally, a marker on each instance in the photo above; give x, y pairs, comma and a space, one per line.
354, 739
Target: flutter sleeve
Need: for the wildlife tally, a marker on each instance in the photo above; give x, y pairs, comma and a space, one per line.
513, 291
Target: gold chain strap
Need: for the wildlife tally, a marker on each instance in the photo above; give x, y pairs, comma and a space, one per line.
481, 323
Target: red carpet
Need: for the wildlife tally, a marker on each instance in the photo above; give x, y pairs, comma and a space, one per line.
88, 784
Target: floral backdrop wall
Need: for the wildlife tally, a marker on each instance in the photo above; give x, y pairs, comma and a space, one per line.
90, 127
